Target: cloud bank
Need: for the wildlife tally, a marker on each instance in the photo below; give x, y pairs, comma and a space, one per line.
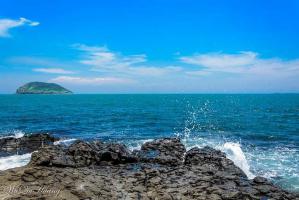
7, 24
244, 71
243, 63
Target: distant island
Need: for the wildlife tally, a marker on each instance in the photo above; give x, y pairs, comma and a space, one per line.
42, 88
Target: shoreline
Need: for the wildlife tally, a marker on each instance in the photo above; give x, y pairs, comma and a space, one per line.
161, 169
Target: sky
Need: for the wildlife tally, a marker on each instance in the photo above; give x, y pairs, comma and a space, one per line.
151, 46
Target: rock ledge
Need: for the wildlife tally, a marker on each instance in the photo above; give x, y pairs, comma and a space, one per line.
162, 169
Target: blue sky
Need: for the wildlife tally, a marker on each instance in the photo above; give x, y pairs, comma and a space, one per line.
157, 46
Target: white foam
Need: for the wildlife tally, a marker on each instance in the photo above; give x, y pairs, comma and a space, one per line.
18, 134
65, 141
14, 161
235, 153
136, 144
13, 134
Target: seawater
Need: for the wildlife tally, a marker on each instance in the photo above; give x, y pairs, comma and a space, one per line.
259, 132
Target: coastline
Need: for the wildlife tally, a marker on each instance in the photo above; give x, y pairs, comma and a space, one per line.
161, 169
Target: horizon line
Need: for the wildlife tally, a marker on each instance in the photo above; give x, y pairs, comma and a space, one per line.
162, 93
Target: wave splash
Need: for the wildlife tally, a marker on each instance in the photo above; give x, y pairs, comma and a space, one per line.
234, 152
191, 137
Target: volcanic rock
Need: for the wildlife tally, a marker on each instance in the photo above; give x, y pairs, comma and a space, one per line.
98, 170
25, 144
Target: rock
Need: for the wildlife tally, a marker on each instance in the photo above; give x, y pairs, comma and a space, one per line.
210, 158
264, 188
97, 152
116, 153
163, 151
52, 156
231, 195
42, 88
79, 154
83, 153
214, 197
97, 170
25, 144
259, 179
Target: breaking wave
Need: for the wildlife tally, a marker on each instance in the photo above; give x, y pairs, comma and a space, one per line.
234, 152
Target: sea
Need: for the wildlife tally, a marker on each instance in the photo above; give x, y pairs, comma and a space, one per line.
259, 132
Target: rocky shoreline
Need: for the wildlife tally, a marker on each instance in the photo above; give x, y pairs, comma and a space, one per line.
161, 169
25, 144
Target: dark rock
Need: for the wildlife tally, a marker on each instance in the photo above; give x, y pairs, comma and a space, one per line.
259, 179
116, 153
212, 159
160, 170
79, 154
163, 151
52, 156
83, 153
25, 144
96, 152
264, 189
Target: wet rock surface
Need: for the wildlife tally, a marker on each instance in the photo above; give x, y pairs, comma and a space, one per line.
25, 144
162, 169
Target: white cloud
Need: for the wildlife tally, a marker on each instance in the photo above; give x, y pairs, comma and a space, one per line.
7, 24
101, 59
243, 63
218, 60
91, 80
53, 70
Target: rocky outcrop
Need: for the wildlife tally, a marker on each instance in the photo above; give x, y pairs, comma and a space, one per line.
164, 151
162, 169
82, 154
26, 144
208, 158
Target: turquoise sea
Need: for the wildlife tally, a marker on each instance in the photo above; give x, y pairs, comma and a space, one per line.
259, 132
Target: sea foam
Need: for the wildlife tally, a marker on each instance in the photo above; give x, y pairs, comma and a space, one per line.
65, 142
14, 161
13, 134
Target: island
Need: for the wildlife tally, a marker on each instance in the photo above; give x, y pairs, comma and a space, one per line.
42, 88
